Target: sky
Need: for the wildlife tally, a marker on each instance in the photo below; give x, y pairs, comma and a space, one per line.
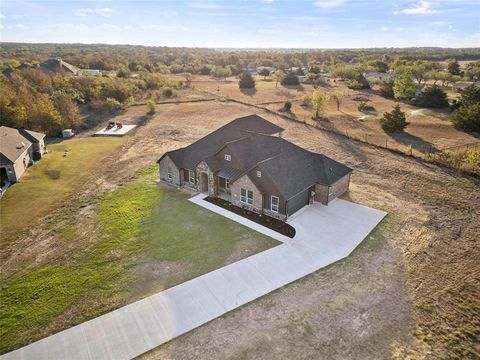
245, 23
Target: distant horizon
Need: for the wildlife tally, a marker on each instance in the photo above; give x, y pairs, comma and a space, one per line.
244, 48
245, 24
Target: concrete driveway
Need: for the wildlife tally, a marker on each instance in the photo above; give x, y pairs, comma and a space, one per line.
324, 235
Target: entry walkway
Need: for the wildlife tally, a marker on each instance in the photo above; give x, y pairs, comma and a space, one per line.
325, 234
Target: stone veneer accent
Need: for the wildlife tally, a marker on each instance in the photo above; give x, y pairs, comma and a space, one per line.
202, 167
275, 215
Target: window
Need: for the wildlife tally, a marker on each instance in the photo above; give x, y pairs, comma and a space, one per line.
243, 195
274, 204
169, 173
228, 157
227, 184
259, 173
191, 177
246, 196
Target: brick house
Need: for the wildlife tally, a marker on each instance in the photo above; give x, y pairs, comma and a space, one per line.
249, 164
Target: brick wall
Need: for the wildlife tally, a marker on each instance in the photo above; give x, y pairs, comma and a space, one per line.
165, 163
339, 187
246, 183
325, 194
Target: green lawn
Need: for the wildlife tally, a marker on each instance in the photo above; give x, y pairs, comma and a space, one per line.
140, 221
46, 184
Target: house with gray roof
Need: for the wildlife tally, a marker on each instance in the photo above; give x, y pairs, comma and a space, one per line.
248, 163
18, 149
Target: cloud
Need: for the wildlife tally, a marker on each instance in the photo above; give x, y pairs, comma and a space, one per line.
2, 16
166, 28
16, 27
311, 33
66, 26
420, 8
384, 28
306, 18
106, 12
329, 4
398, 28
204, 5
268, 31
267, 1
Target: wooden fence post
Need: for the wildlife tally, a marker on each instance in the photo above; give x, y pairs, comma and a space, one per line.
386, 143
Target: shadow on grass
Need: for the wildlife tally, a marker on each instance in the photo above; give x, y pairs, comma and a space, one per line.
248, 92
415, 142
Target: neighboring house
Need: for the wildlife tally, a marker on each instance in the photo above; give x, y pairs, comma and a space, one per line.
58, 65
379, 77
270, 69
55, 66
248, 163
18, 149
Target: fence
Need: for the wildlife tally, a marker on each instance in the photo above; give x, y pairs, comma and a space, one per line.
426, 152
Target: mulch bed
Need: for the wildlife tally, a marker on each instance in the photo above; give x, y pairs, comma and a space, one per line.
267, 221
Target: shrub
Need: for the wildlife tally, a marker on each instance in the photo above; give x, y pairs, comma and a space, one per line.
472, 158
393, 121
113, 104
319, 102
288, 106
386, 89
246, 81
467, 118
306, 100
365, 106
432, 97
290, 79
151, 107
167, 92
360, 82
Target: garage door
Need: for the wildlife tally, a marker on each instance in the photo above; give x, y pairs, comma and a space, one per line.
297, 202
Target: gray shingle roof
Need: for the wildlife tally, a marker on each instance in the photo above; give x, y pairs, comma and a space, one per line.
12, 145
290, 168
188, 157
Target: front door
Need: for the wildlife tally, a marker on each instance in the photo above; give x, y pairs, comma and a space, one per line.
204, 182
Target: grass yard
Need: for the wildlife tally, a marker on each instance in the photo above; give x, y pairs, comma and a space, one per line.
142, 223
46, 184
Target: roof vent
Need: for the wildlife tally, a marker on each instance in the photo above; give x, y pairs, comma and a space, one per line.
22, 145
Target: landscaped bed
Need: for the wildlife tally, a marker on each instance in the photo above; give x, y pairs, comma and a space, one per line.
267, 221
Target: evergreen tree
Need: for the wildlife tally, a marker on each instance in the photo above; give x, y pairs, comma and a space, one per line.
405, 87
393, 121
246, 81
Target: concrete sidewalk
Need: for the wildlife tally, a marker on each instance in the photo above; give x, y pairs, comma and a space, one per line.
324, 235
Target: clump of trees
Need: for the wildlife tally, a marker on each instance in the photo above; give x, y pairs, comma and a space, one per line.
466, 110
394, 120
432, 97
265, 73
289, 79
246, 81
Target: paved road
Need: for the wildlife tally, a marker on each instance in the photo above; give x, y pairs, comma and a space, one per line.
324, 235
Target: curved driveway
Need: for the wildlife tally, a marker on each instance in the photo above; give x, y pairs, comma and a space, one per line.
325, 234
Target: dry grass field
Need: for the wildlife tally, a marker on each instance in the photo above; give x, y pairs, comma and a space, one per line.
429, 130
411, 288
